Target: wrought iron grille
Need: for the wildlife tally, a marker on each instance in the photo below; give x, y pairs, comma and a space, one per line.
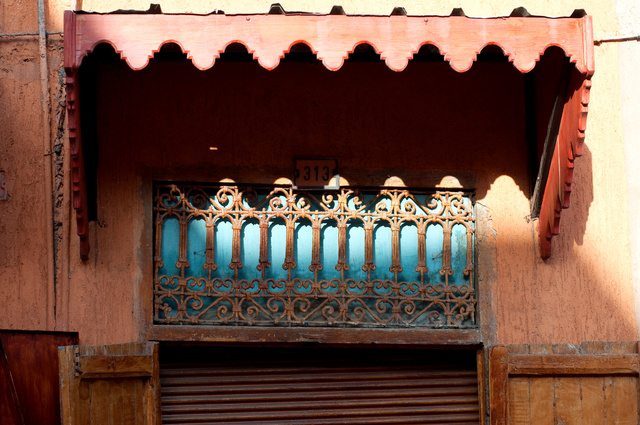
279, 256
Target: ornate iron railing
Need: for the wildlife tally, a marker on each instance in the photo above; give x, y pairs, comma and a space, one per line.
279, 256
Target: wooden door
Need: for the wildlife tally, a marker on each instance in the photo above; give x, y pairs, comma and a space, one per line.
111, 384
592, 383
29, 376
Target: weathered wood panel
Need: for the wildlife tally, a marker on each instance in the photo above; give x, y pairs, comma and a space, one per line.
29, 391
625, 400
562, 364
10, 411
498, 385
541, 400
592, 400
588, 384
519, 405
347, 336
115, 384
567, 400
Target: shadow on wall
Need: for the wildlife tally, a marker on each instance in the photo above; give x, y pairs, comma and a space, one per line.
583, 292
418, 125
578, 213
576, 297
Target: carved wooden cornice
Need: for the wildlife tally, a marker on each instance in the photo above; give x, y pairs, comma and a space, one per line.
569, 146
137, 37
332, 37
78, 180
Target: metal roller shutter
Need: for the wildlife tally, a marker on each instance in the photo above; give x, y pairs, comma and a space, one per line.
318, 386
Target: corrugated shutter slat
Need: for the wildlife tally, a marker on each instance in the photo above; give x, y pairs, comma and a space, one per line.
287, 386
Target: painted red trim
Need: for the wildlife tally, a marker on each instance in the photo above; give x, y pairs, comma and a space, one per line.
332, 37
268, 37
78, 180
569, 145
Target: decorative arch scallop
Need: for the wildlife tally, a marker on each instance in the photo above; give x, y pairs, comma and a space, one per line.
396, 38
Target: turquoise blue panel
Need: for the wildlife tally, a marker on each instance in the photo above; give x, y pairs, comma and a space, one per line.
303, 247
355, 250
382, 251
170, 246
223, 249
435, 239
249, 251
195, 298
458, 250
329, 250
408, 252
277, 249
196, 248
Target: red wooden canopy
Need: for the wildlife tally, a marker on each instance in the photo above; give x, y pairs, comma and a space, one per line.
137, 37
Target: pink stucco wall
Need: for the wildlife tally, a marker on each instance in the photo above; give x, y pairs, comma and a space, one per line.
419, 125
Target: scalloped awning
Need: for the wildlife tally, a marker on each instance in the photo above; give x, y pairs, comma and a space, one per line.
137, 37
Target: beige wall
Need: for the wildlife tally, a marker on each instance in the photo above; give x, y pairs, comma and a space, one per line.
584, 292
628, 13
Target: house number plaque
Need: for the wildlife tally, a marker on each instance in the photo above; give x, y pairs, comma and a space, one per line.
316, 173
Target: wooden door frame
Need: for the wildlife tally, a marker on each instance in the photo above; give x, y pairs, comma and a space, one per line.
506, 362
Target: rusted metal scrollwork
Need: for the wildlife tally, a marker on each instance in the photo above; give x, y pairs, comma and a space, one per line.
279, 256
